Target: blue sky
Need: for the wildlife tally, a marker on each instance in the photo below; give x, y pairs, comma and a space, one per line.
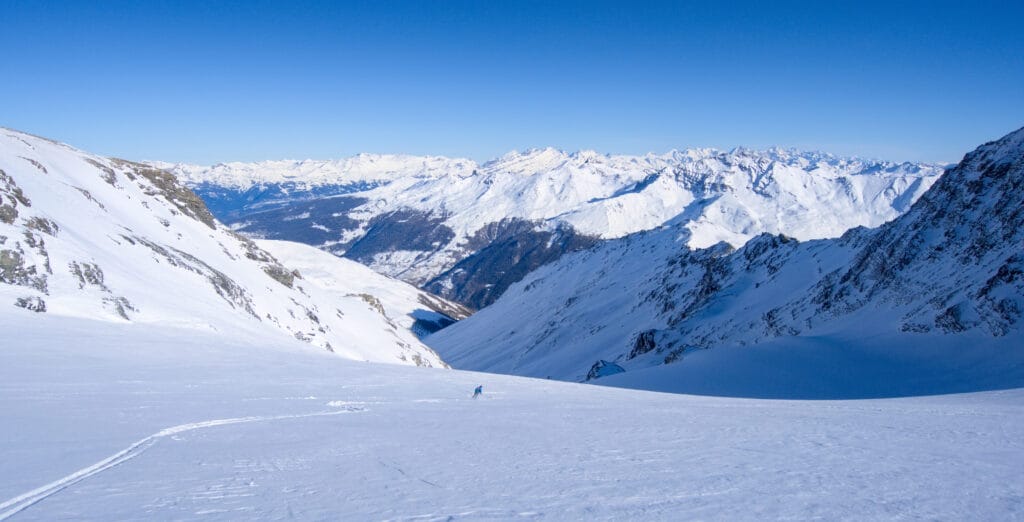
218, 81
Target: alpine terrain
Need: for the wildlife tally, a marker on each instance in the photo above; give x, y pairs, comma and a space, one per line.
466, 231
156, 366
162, 423
116, 241
928, 303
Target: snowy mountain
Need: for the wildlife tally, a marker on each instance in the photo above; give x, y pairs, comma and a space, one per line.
467, 231
116, 241
937, 292
405, 305
153, 367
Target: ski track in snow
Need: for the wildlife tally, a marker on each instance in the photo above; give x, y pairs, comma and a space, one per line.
423, 450
26, 500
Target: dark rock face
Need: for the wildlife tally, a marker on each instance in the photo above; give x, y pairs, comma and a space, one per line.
644, 343
15, 269
165, 184
692, 280
603, 368
87, 274
503, 253
11, 197
34, 304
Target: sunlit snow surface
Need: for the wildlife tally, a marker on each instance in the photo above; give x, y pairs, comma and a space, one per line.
95, 237
202, 427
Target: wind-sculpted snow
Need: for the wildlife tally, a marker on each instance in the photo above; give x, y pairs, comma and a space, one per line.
937, 293
113, 240
142, 422
419, 218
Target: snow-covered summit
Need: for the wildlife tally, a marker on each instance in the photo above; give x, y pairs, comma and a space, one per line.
430, 220
358, 168
918, 294
116, 241
593, 191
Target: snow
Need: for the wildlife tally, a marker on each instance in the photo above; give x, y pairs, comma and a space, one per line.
927, 303
156, 261
717, 196
342, 278
131, 422
186, 405
839, 366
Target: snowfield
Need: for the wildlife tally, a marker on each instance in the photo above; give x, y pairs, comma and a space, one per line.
106, 421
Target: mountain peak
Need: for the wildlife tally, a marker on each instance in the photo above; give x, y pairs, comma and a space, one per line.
1002, 151
427, 219
924, 303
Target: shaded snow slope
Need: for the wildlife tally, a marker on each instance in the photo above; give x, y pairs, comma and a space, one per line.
107, 239
944, 277
126, 421
451, 225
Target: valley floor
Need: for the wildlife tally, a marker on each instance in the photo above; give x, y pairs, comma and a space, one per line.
133, 422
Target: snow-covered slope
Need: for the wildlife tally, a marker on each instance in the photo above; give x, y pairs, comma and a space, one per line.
142, 422
116, 241
467, 231
403, 304
935, 295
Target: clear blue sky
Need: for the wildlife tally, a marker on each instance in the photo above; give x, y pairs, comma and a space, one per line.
218, 81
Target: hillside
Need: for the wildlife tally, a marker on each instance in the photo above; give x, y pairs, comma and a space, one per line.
151, 422
116, 241
928, 303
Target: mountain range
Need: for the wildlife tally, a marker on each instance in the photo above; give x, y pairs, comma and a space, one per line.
466, 231
181, 370
676, 306
927, 303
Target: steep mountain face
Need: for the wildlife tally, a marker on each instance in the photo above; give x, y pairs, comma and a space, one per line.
468, 231
949, 272
111, 240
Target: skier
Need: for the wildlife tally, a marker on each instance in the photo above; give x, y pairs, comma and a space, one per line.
478, 391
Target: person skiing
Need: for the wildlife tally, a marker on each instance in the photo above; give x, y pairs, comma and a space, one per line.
478, 391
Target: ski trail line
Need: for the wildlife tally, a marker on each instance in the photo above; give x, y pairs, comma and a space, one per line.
17, 504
